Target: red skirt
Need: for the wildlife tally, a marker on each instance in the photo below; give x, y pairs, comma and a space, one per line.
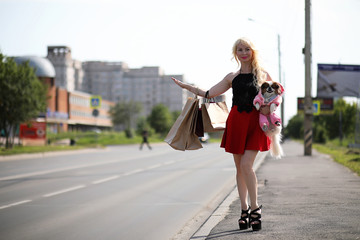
243, 132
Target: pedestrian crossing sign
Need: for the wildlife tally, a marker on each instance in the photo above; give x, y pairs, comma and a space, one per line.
95, 102
316, 108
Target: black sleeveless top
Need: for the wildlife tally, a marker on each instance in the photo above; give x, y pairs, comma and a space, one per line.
244, 91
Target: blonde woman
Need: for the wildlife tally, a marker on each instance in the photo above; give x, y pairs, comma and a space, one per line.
243, 136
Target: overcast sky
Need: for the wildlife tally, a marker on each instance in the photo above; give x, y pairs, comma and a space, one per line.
190, 37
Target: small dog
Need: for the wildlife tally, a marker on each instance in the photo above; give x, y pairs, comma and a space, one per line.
271, 95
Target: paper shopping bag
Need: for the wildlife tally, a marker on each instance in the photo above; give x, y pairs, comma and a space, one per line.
182, 134
199, 128
214, 115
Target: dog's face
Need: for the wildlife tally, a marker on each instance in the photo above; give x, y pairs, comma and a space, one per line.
270, 88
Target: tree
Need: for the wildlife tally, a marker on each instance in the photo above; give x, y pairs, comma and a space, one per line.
124, 113
348, 119
295, 127
327, 126
142, 124
175, 115
160, 119
22, 96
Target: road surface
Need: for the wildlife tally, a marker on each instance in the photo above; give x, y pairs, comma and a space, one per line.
114, 193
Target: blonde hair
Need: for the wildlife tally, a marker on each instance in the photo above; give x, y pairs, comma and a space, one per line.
257, 70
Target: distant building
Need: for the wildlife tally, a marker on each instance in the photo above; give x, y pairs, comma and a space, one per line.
66, 110
103, 78
69, 73
116, 82
150, 86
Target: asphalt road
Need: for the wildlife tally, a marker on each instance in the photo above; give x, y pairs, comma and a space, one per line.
116, 193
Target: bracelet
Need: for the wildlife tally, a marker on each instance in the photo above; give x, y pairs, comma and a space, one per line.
207, 94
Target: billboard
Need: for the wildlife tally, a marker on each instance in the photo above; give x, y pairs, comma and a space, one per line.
34, 130
336, 80
321, 106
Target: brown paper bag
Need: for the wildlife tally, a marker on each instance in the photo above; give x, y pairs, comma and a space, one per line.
182, 134
214, 115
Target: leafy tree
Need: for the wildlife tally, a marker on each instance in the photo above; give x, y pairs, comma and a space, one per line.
175, 115
327, 126
160, 119
143, 124
319, 132
295, 128
124, 113
331, 123
22, 96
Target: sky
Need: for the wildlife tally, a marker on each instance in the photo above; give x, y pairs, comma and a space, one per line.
189, 37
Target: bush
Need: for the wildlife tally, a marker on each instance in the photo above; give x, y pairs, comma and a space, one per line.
129, 133
295, 127
319, 134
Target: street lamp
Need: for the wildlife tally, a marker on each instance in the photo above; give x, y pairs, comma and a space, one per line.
279, 63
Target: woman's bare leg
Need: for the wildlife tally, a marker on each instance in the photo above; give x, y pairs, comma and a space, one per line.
241, 184
247, 171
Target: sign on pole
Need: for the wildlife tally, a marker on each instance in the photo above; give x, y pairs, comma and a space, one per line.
316, 106
323, 106
95, 102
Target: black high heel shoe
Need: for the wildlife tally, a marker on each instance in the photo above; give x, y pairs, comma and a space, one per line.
243, 221
255, 219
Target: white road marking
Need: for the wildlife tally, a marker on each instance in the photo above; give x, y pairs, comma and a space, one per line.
64, 191
15, 204
154, 166
25, 175
32, 174
81, 186
169, 162
106, 179
133, 172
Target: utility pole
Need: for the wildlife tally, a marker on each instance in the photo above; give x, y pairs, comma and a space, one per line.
308, 108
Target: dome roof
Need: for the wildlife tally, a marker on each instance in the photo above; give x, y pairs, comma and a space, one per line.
43, 67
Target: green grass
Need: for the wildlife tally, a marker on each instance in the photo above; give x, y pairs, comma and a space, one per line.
36, 149
349, 157
83, 140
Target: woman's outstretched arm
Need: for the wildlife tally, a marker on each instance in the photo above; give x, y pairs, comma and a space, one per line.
216, 90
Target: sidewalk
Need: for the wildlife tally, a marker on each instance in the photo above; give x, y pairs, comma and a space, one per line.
303, 197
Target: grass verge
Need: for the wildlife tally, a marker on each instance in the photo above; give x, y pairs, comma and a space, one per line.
348, 157
82, 139
88, 140
36, 149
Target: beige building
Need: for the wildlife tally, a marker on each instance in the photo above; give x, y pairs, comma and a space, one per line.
101, 78
150, 86
116, 82
81, 113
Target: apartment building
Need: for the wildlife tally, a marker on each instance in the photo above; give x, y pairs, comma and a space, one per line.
103, 78
150, 86
116, 82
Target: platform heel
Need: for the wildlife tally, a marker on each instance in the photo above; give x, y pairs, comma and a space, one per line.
244, 219
255, 219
